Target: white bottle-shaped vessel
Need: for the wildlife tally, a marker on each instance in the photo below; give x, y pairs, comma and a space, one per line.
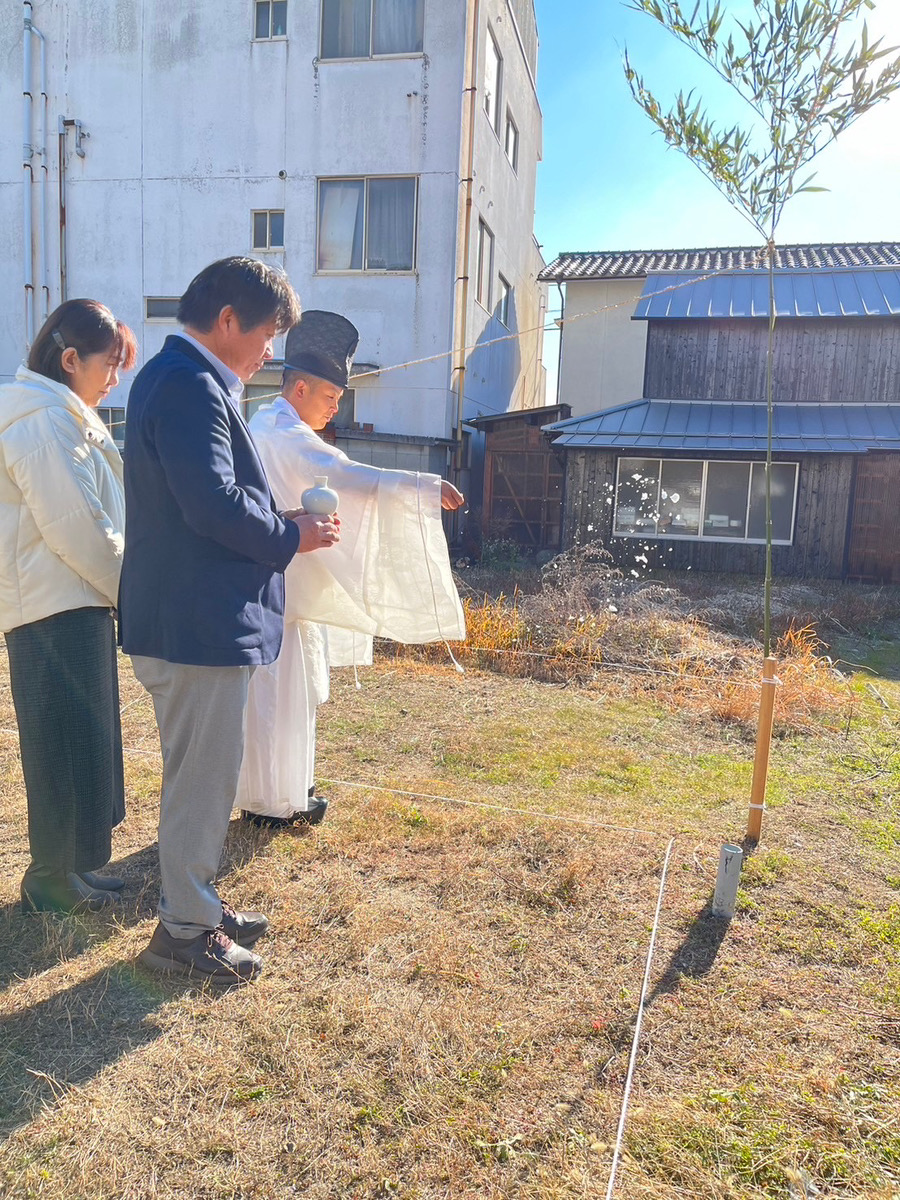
320, 498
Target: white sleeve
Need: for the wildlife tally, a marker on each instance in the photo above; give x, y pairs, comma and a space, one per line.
58, 481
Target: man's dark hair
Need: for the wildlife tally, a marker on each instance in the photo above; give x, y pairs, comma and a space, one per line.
257, 292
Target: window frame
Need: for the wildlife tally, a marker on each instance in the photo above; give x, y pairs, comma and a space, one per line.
510, 124
494, 121
268, 248
484, 228
148, 320
269, 37
371, 56
701, 536
365, 269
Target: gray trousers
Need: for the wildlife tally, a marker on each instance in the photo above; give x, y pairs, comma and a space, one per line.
200, 712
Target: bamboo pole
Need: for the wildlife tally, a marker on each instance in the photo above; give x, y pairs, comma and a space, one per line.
763, 747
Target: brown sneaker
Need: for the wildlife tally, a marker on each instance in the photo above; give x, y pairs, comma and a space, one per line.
212, 958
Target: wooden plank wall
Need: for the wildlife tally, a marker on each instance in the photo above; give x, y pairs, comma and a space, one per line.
820, 535
847, 360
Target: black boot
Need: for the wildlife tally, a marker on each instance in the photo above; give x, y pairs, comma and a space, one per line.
46, 889
102, 883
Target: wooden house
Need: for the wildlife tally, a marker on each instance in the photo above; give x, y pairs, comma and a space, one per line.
675, 477
523, 478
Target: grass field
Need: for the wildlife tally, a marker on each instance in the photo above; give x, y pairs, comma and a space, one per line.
450, 991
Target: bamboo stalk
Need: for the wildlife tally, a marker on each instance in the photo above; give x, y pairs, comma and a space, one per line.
763, 747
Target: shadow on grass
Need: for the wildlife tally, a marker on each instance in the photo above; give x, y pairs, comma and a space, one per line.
695, 956
67, 1039
38, 942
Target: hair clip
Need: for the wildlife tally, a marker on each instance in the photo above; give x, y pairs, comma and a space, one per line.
58, 338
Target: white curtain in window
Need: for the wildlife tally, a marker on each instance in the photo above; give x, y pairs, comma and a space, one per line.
391, 224
492, 70
341, 225
345, 28
398, 26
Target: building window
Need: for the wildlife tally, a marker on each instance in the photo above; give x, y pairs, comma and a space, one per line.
483, 289
367, 224
371, 28
503, 300
717, 501
161, 308
511, 142
493, 81
114, 420
268, 229
270, 19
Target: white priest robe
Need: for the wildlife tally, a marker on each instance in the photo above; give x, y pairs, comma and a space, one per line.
389, 576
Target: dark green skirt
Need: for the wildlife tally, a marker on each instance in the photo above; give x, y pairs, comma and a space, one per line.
65, 688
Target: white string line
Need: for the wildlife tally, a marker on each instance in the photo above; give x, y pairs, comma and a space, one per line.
629, 1078
558, 323
712, 683
524, 812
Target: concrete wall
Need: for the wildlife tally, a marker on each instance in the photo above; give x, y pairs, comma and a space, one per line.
602, 356
193, 124
504, 199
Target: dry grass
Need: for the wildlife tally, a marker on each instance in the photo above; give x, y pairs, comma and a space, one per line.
449, 991
590, 625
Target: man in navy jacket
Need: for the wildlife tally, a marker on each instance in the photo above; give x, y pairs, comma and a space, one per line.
202, 594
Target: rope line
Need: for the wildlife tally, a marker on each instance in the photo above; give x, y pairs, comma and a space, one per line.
558, 323
632, 1060
523, 812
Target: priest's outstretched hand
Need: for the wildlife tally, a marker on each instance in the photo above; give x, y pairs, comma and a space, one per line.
451, 497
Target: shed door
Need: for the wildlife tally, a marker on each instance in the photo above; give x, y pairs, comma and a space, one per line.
875, 532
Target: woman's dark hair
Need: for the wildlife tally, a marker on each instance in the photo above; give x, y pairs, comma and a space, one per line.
257, 292
86, 326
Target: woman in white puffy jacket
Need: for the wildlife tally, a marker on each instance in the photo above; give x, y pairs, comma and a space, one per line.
62, 522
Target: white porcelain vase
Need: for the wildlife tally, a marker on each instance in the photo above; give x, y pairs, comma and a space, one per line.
320, 498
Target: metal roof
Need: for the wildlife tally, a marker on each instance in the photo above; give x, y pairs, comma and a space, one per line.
720, 425
482, 422
636, 264
862, 292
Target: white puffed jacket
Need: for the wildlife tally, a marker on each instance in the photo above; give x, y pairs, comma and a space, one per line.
62, 503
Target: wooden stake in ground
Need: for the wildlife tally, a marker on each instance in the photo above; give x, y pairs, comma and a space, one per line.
763, 748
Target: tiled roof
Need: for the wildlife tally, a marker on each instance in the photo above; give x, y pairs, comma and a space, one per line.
703, 425
859, 292
635, 264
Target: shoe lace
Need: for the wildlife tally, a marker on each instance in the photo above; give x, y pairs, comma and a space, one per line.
218, 936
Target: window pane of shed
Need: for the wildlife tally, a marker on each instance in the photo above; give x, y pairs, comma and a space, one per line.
637, 496
679, 497
726, 499
783, 486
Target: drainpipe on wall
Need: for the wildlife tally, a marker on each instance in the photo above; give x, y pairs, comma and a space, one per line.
66, 123
463, 279
27, 176
29, 232
562, 328
43, 268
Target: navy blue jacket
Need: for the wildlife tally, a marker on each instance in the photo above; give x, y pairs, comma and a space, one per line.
204, 544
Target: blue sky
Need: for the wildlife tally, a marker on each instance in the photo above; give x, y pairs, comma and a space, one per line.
608, 181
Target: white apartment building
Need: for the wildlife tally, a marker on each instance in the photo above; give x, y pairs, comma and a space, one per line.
384, 152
